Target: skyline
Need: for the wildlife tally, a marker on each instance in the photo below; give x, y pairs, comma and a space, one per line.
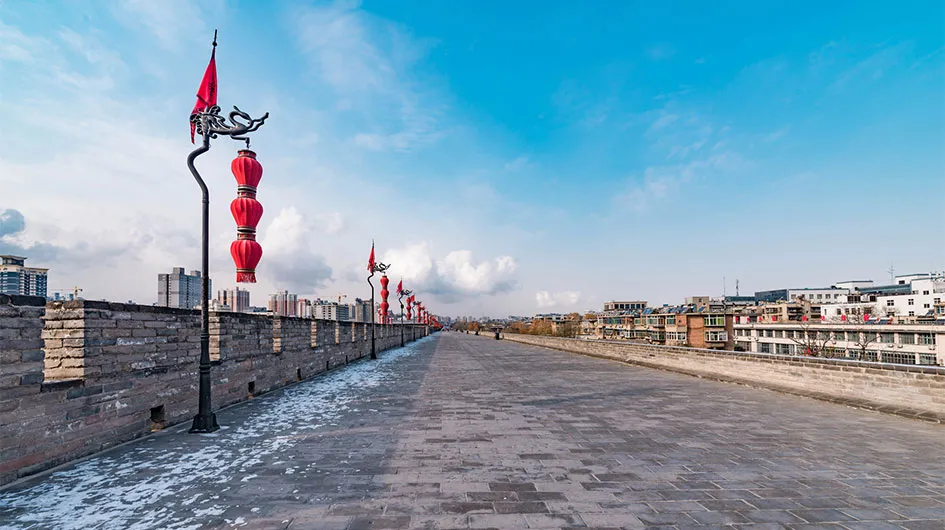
664, 148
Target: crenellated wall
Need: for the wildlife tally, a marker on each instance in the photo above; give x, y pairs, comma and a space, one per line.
907, 390
77, 377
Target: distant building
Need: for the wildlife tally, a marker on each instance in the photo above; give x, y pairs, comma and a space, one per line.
818, 295
178, 289
363, 311
331, 311
303, 308
283, 303
632, 305
17, 278
891, 343
236, 300
698, 302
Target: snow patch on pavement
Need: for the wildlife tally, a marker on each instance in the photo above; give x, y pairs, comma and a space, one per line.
140, 487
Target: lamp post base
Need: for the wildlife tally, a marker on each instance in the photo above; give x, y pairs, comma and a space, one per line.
204, 423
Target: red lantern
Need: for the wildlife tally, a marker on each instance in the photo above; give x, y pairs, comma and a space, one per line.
246, 254
384, 294
247, 170
247, 212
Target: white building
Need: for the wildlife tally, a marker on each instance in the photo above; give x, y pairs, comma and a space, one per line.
916, 297
815, 295
892, 343
331, 311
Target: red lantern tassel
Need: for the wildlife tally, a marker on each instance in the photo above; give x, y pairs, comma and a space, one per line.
246, 277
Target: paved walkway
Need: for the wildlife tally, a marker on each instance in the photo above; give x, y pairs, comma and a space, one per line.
459, 431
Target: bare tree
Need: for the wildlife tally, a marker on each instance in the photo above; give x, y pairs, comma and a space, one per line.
810, 341
863, 340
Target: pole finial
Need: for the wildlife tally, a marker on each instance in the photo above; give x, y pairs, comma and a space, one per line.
214, 38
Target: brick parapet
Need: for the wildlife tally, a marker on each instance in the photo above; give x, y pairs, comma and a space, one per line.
907, 390
79, 376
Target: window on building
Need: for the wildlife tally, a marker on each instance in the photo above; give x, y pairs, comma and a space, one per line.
898, 358
890, 302
911, 313
715, 321
671, 320
716, 336
907, 338
784, 349
927, 339
911, 301
764, 347
926, 306
887, 338
925, 292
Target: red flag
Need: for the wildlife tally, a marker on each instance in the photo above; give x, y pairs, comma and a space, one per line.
370, 261
400, 287
207, 93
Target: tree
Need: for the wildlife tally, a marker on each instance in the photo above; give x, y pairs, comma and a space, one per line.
811, 342
862, 339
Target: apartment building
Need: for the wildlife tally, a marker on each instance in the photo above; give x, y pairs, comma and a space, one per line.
17, 278
881, 342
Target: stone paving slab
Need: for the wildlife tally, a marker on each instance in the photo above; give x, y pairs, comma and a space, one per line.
458, 431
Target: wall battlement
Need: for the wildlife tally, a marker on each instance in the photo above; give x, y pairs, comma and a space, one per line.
77, 377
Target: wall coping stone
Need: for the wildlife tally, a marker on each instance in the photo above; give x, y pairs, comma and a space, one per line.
23, 300
755, 356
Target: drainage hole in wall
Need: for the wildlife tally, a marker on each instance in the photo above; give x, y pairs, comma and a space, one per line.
298, 374
157, 418
251, 388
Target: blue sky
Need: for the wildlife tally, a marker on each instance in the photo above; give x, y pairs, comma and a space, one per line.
507, 158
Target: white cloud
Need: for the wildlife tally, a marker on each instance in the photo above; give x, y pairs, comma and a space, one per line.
370, 63
174, 23
17, 47
660, 51
452, 277
519, 163
659, 182
290, 255
565, 299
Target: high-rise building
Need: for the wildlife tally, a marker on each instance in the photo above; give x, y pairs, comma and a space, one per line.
236, 299
363, 311
325, 310
303, 308
17, 278
283, 303
178, 289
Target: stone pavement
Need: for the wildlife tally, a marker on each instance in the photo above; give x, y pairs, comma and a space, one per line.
458, 431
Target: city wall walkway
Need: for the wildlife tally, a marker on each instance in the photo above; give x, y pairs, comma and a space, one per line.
459, 431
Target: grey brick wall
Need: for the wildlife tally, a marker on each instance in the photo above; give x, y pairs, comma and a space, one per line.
77, 377
913, 391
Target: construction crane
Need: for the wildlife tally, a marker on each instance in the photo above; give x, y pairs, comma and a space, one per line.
340, 296
75, 291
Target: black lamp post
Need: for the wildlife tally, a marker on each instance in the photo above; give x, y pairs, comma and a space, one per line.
209, 124
377, 267
400, 298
